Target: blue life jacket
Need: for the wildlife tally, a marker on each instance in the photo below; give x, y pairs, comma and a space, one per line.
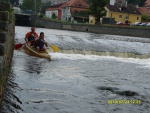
40, 43
31, 37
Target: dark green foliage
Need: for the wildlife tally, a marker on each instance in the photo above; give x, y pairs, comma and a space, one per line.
81, 14
41, 15
54, 16
88, 1
141, 3
45, 6
96, 8
31, 5
136, 2
144, 17
14, 2
11, 1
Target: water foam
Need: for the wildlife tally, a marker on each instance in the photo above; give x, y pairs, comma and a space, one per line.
55, 56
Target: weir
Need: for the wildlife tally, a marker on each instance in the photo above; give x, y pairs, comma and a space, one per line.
107, 53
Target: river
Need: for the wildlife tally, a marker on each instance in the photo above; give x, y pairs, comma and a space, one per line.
92, 73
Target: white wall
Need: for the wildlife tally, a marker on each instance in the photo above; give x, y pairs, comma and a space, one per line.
50, 13
20, 2
112, 2
66, 14
58, 1
17, 10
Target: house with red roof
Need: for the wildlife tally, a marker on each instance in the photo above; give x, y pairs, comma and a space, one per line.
70, 11
145, 9
54, 10
147, 3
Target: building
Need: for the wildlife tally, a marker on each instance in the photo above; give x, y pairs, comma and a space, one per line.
20, 2
54, 2
73, 10
122, 12
147, 3
92, 19
145, 9
54, 10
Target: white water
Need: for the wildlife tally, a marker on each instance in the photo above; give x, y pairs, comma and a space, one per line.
57, 56
90, 41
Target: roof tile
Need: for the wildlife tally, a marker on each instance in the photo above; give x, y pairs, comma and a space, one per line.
131, 9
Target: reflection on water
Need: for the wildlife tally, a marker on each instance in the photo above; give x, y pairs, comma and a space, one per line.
32, 66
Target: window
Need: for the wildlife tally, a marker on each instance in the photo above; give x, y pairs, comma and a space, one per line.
120, 16
137, 18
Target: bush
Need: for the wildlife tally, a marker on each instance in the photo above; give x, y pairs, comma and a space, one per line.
144, 17
41, 16
54, 16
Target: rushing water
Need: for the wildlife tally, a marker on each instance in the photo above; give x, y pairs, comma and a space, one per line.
81, 82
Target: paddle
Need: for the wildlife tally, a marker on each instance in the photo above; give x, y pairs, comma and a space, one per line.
18, 46
54, 47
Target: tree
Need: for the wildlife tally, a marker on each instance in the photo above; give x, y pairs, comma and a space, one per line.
54, 16
136, 2
96, 8
11, 1
31, 5
144, 17
4, 0
141, 2
88, 1
45, 6
14, 2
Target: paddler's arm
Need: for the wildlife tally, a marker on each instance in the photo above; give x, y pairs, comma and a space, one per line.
26, 37
45, 43
36, 37
26, 40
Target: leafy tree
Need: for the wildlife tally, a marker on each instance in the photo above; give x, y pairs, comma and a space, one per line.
96, 8
54, 16
31, 5
88, 1
144, 17
136, 2
28, 5
45, 6
4, 0
141, 2
14, 2
11, 1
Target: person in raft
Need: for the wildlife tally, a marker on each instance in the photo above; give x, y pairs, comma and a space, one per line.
41, 42
31, 37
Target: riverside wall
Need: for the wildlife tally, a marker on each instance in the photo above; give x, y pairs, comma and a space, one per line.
7, 32
112, 30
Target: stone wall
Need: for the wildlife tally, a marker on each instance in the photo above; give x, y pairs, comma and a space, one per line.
7, 31
112, 30
48, 24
